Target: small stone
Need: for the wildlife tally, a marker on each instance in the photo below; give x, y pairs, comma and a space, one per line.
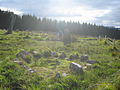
25, 67
91, 61
19, 62
22, 54
57, 75
54, 54
30, 70
62, 56
36, 54
64, 74
72, 57
89, 66
84, 58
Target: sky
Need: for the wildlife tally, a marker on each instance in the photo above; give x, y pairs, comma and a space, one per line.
101, 12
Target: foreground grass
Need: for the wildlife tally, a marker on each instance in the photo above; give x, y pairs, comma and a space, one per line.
104, 75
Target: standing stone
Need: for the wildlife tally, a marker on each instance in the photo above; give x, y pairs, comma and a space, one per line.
12, 22
74, 67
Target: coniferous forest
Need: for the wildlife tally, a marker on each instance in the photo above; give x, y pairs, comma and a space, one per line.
32, 23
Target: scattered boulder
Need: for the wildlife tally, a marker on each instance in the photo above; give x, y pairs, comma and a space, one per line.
88, 66
25, 67
54, 54
57, 75
91, 61
76, 68
76, 56
84, 58
36, 54
22, 54
19, 62
73, 57
62, 55
30, 70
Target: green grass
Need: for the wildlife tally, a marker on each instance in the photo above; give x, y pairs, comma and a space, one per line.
105, 75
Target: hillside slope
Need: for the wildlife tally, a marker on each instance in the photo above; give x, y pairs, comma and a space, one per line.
32, 61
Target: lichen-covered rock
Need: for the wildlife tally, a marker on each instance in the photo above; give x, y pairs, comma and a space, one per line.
74, 67
84, 58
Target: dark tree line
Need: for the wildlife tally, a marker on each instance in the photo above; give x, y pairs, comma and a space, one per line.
29, 22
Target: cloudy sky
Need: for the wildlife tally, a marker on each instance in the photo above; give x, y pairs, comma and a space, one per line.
102, 12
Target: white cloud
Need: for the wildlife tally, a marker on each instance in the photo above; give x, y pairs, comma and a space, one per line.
81, 14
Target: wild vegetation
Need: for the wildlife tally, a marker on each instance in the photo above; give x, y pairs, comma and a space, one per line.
34, 61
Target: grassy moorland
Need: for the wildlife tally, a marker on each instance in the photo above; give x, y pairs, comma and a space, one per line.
103, 75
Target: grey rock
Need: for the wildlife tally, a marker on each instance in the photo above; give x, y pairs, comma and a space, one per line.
30, 70
57, 75
88, 66
22, 54
73, 57
62, 55
54, 54
84, 58
74, 67
91, 61
25, 67
36, 54
19, 62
